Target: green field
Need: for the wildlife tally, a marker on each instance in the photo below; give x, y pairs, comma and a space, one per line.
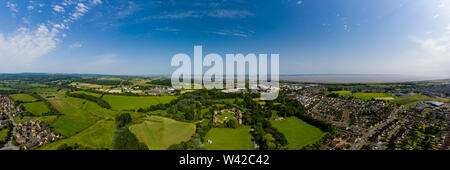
297, 132
23, 97
36, 108
118, 102
419, 97
78, 114
5, 88
87, 93
45, 90
229, 139
369, 96
341, 92
97, 136
159, 133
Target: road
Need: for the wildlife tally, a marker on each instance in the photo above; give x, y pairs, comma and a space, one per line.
10, 145
363, 140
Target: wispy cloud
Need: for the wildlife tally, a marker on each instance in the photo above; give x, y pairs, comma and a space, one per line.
299, 2
58, 8
12, 6
76, 45
97, 2
80, 10
219, 13
238, 32
436, 16
23, 47
106, 59
166, 29
223, 13
26, 45
435, 55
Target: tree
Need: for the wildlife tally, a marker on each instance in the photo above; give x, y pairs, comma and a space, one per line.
123, 119
125, 140
270, 142
232, 123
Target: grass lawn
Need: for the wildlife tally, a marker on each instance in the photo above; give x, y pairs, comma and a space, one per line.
97, 136
225, 116
297, 132
23, 97
159, 133
229, 139
36, 108
369, 96
118, 102
3, 135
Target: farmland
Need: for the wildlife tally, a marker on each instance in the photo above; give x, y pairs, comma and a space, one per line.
229, 139
341, 92
119, 102
298, 132
191, 121
87, 93
23, 97
78, 114
97, 136
36, 108
369, 96
159, 132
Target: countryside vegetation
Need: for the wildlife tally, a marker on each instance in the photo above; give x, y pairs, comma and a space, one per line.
87, 112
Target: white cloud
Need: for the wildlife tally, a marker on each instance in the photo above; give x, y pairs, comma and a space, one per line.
97, 2
12, 7
30, 7
76, 45
221, 13
167, 29
436, 16
58, 8
25, 45
346, 28
238, 32
434, 55
106, 59
60, 26
299, 2
80, 10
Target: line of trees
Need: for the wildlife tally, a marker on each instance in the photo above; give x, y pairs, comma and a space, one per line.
52, 109
99, 101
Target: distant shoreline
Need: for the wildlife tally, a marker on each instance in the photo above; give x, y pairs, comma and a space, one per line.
358, 78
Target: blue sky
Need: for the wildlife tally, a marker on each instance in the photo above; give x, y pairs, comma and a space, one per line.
311, 36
